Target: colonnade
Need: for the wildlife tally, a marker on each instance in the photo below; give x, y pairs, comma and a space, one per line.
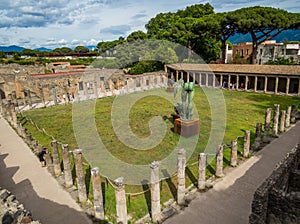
277, 84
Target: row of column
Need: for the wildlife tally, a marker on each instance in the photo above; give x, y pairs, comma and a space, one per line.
192, 76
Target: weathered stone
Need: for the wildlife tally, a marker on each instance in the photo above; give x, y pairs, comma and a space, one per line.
155, 191
246, 144
55, 156
258, 132
275, 120
234, 150
201, 171
97, 193
181, 161
267, 138
121, 207
219, 161
293, 113
49, 163
67, 166
282, 121
288, 116
80, 175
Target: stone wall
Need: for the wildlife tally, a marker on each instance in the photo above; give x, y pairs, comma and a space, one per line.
277, 199
11, 211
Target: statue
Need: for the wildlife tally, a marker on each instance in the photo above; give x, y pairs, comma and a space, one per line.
185, 108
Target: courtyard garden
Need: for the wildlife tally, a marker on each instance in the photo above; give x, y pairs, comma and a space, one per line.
243, 111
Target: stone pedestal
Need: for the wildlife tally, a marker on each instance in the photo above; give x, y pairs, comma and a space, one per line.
258, 132
288, 116
187, 128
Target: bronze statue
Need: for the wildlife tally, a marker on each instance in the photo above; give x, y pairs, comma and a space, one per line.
185, 108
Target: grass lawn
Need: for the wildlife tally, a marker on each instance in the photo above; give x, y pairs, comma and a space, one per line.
243, 111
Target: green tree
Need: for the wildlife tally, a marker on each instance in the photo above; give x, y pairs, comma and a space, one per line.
264, 23
136, 35
63, 50
81, 49
220, 26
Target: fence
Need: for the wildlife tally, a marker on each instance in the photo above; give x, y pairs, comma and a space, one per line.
281, 121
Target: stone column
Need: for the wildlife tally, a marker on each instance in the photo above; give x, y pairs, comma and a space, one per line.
288, 116
233, 157
201, 171
258, 132
155, 191
121, 207
246, 82
97, 193
55, 156
276, 84
181, 176
206, 79
95, 90
29, 139
176, 76
29, 98
282, 121
187, 76
229, 81
221, 80
276, 119
246, 148
237, 81
267, 126
49, 163
214, 80
287, 85
266, 84
194, 77
14, 118
67, 166
255, 83
293, 113
219, 162
85, 90
80, 175
23, 132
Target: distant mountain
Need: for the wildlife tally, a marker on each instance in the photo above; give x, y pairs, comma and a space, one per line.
287, 35
43, 49
12, 48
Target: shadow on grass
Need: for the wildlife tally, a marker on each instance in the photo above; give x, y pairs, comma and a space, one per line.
171, 185
147, 194
210, 169
191, 176
88, 179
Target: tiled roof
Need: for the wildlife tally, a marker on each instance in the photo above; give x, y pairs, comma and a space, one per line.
238, 68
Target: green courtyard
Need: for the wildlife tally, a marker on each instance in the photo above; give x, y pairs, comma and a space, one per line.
243, 111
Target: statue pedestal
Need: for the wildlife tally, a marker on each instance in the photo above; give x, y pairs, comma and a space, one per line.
170, 89
187, 128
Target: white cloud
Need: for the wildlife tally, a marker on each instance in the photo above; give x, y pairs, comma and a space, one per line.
72, 22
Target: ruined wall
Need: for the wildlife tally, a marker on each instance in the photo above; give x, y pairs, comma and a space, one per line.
277, 199
11, 211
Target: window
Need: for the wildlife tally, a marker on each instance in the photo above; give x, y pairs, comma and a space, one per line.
247, 51
242, 52
80, 86
260, 51
101, 78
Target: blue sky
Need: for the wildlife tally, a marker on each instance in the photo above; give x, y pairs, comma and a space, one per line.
58, 23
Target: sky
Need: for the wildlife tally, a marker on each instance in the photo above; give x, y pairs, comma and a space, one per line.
69, 23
